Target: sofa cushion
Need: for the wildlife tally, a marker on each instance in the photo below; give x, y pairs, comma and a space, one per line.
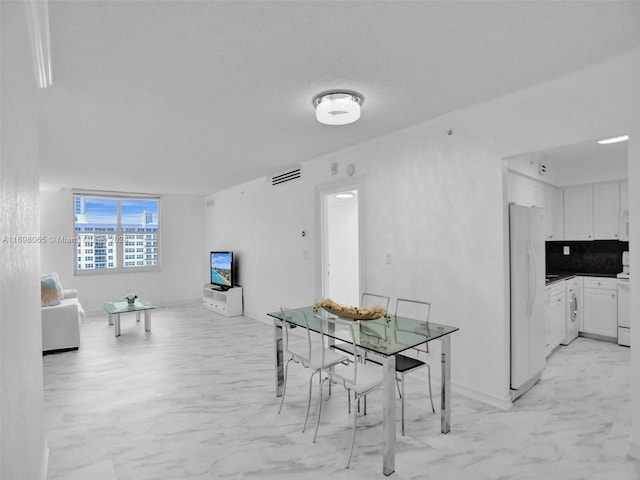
49, 293
58, 284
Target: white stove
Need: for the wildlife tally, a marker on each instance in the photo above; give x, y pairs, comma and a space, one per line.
623, 303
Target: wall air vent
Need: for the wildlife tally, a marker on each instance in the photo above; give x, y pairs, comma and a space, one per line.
285, 177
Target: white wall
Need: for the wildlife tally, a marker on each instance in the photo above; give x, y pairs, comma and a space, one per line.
437, 204
22, 447
633, 105
263, 226
183, 264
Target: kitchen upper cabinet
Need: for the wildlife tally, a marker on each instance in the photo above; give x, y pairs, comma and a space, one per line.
600, 312
592, 212
553, 215
526, 191
606, 211
578, 213
624, 211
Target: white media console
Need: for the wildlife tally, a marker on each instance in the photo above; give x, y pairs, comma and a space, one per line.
224, 302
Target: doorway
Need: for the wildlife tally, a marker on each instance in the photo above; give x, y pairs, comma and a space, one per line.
583, 189
342, 266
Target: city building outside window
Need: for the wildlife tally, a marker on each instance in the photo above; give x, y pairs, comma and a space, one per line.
111, 230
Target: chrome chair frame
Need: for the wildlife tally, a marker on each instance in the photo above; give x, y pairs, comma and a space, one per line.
359, 377
367, 300
314, 359
406, 364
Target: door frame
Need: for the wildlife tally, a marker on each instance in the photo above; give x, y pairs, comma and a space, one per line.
321, 193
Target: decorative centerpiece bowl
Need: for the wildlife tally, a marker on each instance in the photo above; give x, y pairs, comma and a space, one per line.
131, 298
351, 313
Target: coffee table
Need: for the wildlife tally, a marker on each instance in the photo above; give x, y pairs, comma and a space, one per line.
114, 309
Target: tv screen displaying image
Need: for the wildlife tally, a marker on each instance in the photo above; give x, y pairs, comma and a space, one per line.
222, 269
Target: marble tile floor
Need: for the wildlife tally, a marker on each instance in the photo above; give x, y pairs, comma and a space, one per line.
194, 399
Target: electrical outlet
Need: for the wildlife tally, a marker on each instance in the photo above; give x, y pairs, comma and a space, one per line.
565, 250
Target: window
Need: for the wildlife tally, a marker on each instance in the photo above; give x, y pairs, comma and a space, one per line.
109, 229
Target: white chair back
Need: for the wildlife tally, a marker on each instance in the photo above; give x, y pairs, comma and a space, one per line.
328, 327
417, 309
302, 352
371, 299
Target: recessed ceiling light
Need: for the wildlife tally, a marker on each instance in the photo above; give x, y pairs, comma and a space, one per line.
337, 108
607, 141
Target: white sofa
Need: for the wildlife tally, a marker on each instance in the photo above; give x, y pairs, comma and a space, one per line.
61, 323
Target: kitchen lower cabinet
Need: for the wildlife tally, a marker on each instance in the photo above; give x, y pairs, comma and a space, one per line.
556, 299
600, 312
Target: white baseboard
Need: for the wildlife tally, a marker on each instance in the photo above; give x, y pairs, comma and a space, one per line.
503, 403
634, 449
261, 317
44, 470
467, 392
179, 303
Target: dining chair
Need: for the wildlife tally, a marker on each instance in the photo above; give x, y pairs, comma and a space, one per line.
371, 299
357, 377
313, 358
406, 364
367, 300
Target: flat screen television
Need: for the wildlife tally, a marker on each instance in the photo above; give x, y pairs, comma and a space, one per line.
221, 270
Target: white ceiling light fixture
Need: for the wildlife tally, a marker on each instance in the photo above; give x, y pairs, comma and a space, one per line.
337, 108
345, 195
607, 141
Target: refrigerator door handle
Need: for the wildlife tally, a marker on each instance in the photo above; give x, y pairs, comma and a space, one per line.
532, 278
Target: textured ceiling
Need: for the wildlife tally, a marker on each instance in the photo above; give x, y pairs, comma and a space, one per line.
197, 96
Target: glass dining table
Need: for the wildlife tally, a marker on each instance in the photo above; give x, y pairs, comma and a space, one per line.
382, 338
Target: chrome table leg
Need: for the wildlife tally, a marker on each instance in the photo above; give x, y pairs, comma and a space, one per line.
389, 415
445, 410
277, 342
147, 320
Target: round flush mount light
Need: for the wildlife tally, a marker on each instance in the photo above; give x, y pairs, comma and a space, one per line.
337, 108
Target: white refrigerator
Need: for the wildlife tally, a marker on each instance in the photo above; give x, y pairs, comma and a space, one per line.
527, 267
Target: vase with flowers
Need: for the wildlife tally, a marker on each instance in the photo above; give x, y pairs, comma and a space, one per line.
131, 298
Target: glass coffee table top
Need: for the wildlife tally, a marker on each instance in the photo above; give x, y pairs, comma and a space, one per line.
124, 306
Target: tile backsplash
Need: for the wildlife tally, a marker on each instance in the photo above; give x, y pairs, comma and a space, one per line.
597, 256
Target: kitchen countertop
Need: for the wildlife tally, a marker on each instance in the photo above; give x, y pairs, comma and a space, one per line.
557, 277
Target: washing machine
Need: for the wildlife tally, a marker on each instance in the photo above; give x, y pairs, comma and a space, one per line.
573, 310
